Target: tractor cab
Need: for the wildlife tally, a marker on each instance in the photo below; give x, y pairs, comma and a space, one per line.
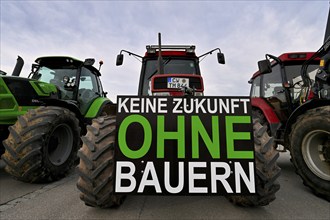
278, 83
75, 80
170, 70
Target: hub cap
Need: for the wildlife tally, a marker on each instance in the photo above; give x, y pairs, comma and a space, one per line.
60, 144
315, 149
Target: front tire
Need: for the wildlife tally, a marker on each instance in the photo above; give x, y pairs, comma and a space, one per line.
96, 167
42, 145
310, 149
267, 170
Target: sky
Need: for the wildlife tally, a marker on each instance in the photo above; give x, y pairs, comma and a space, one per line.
244, 31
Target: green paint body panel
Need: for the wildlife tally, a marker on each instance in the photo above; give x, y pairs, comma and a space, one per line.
43, 88
95, 107
9, 109
9, 117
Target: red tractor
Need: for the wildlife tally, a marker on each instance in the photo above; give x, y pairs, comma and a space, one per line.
275, 96
167, 71
291, 95
179, 73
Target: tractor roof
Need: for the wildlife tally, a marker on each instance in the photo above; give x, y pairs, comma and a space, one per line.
56, 61
292, 58
63, 62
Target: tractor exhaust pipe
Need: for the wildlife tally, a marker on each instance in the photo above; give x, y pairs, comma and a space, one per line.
18, 67
160, 58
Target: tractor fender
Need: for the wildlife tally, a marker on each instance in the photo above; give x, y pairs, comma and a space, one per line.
268, 112
68, 104
310, 104
98, 106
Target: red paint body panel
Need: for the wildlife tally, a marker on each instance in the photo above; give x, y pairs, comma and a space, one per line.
267, 110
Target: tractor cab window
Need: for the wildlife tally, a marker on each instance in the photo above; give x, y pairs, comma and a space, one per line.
171, 66
44, 74
88, 89
293, 74
88, 80
272, 89
255, 88
272, 84
53, 75
56, 77
88, 86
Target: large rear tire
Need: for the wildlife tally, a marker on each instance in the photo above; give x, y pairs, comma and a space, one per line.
96, 167
310, 149
3, 135
42, 145
267, 170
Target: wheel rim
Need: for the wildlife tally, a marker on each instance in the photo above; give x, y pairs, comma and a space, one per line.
60, 144
315, 149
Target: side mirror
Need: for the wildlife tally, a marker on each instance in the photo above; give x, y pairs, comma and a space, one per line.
221, 58
89, 62
120, 59
264, 66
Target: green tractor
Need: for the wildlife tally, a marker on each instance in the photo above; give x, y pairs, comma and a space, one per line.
43, 116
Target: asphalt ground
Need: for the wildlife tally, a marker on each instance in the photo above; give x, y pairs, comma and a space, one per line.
60, 200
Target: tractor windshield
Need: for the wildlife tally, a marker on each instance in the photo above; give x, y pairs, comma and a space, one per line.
55, 76
89, 86
171, 66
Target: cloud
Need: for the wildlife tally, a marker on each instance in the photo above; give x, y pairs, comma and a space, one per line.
244, 30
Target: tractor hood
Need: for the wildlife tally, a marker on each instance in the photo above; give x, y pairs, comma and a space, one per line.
17, 94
